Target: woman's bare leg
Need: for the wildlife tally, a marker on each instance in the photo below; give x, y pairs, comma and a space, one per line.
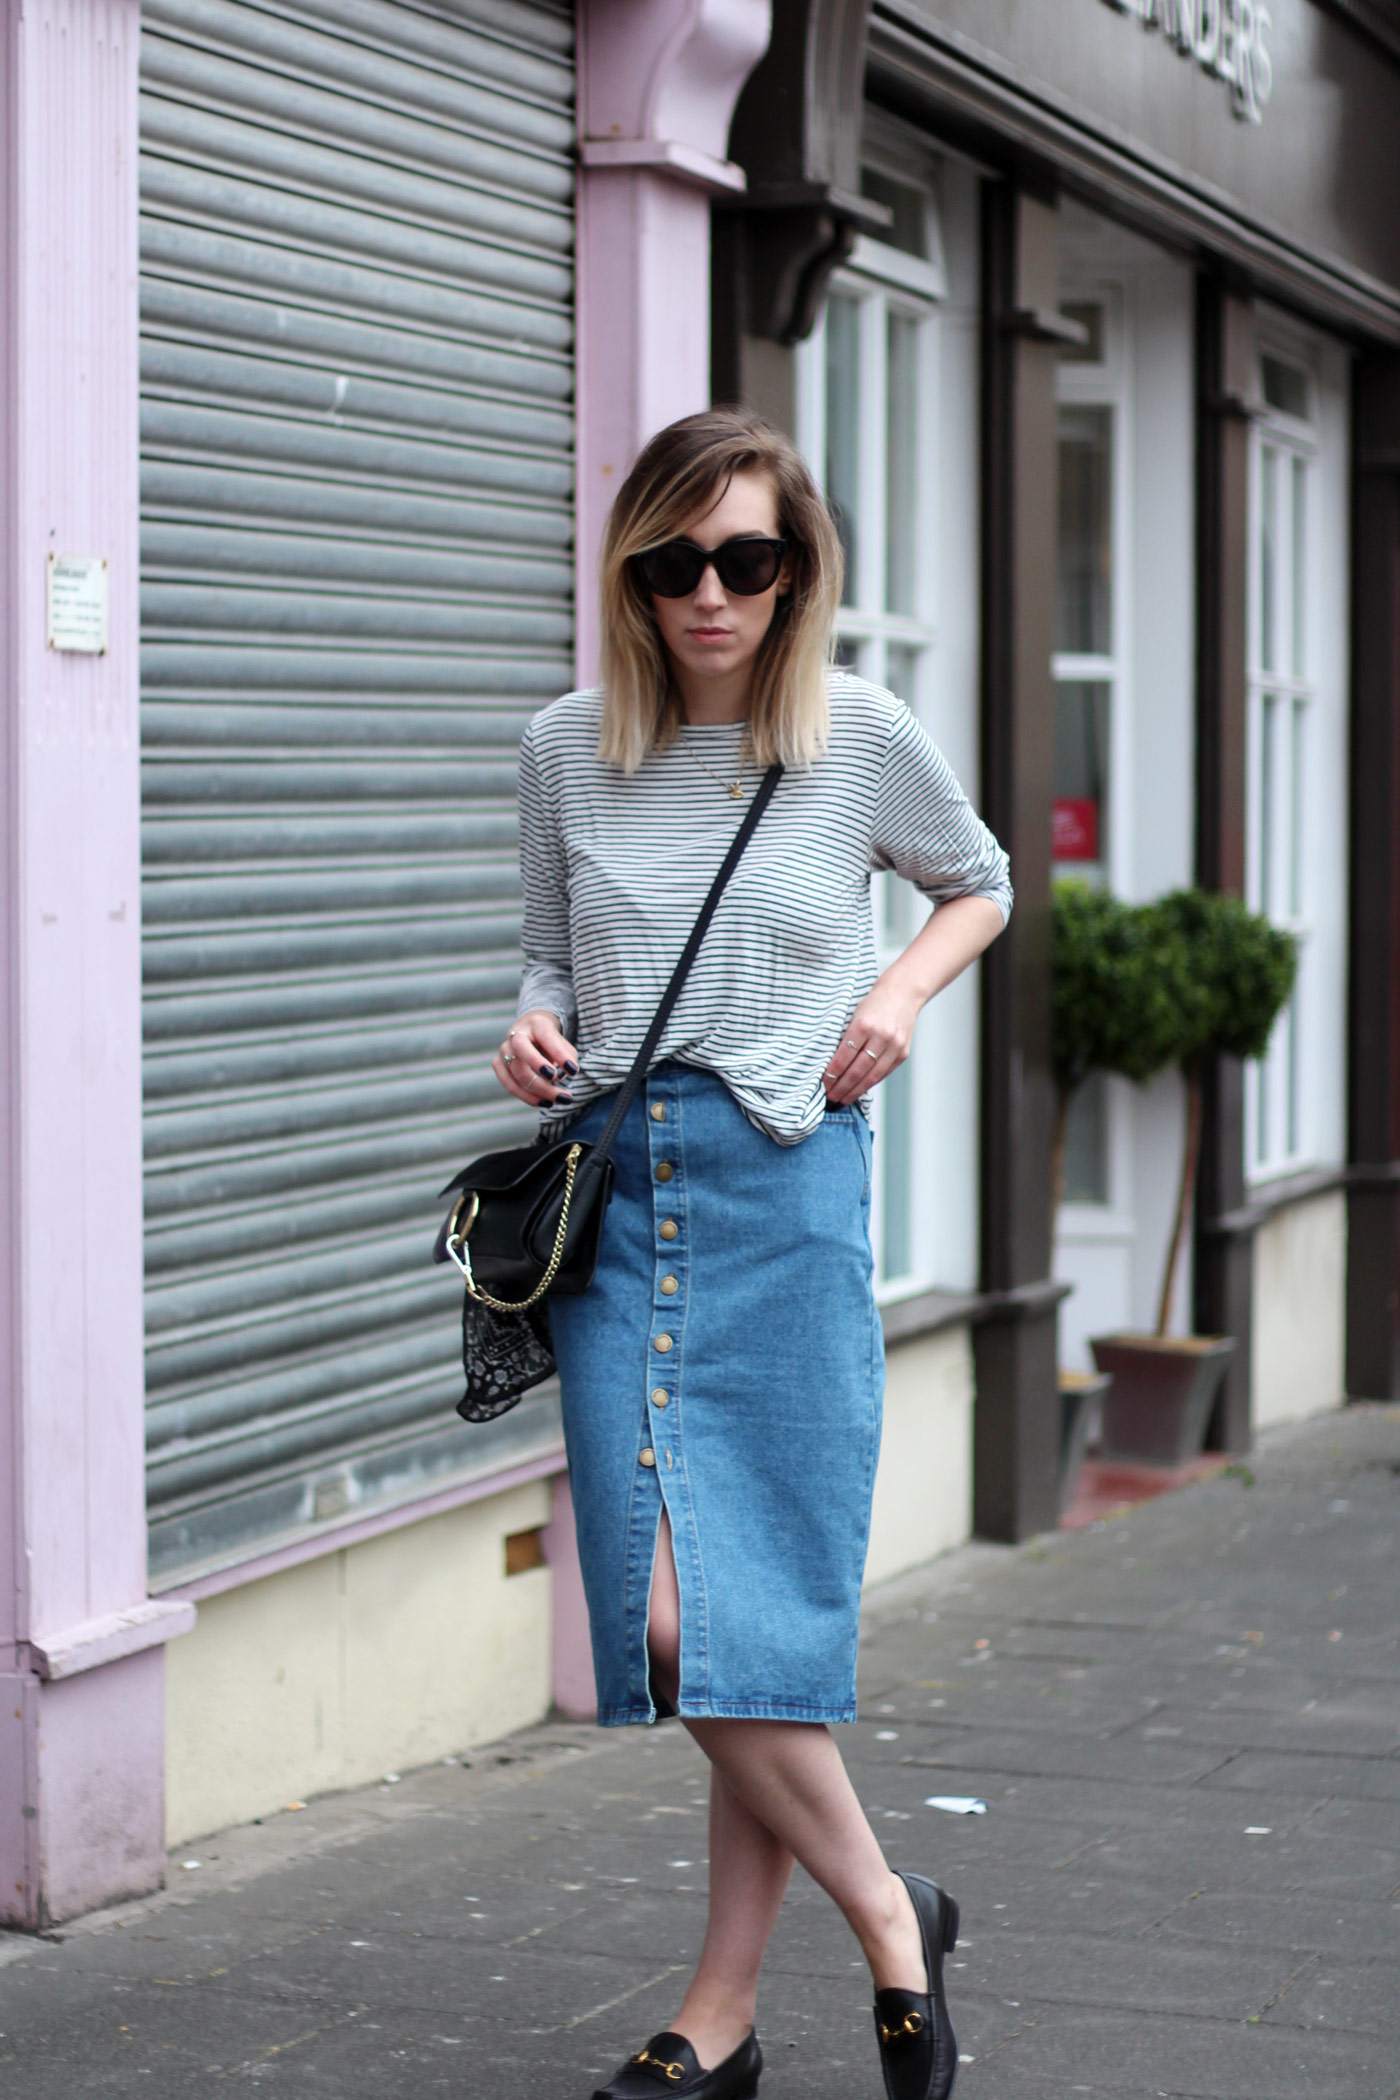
778, 1789
791, 1777
749, 1871
749, 1868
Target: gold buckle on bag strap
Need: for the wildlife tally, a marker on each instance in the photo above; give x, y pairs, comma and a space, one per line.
464, 1260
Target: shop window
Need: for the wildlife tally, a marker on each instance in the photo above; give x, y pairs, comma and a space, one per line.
1090, 316
1087, 671
1281, 730
867, 419
1284, 386
907, 204
1083, 604
843, 426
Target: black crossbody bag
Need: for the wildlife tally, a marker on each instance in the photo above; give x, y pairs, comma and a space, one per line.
529, 1220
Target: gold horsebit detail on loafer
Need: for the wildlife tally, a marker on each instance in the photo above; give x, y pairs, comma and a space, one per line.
912, 2024
673, 2071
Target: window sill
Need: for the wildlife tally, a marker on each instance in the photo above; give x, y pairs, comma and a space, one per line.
1266, 1199
1090, 1223
927, 1312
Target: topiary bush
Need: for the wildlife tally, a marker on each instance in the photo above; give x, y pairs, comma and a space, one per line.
1138, 987
1124, 998
1246, 968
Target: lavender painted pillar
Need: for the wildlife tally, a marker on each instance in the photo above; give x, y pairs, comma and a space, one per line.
657, 89
81, 1662
656, 92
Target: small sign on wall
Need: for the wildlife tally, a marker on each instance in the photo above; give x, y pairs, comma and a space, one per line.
1075, 834
77, 603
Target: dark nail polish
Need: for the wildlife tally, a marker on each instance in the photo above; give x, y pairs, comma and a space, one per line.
569, 1065
563, 1095
546, 1071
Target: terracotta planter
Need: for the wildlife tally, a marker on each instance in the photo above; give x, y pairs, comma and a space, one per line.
1163, 1390
1079, 1390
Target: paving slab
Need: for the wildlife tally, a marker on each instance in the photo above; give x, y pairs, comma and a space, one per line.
1101, 1804
1078, 1756
1274, 1772
1315, 1727
1358, 1997
1091, 1967
1374, 1822
1337, 1924
1252, 1858
1183, 1719
1197, 2058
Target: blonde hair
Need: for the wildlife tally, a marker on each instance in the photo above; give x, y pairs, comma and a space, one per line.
681, 469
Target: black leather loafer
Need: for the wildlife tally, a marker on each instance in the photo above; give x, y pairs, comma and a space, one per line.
918, 2050
669, 2063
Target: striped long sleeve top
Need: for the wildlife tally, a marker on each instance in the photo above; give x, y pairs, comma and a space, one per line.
615, 867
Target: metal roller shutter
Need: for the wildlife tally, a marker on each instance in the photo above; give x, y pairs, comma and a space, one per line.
357, 475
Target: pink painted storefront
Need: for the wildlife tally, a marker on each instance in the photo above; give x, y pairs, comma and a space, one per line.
327, 331
264, 376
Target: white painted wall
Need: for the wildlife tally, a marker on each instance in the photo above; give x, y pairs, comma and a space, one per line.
948, 1044
1329, 841
1299, 1365
1325, 805
923, 1489
381, 1656
1113, 1253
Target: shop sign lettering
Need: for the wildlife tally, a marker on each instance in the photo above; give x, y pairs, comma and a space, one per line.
1229, 38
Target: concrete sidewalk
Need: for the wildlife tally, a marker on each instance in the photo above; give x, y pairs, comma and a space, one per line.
1184, 1721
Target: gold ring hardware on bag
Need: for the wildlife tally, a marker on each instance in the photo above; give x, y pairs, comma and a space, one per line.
673, 2071
463, 1260
913, 2023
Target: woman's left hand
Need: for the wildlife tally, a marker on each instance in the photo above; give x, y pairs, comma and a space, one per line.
883, 1023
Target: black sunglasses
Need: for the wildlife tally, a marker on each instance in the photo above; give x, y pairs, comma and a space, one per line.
743, 566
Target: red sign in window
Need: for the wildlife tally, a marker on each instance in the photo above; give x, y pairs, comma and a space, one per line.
1075, 828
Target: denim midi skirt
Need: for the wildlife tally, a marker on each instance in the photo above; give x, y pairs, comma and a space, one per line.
726, 1364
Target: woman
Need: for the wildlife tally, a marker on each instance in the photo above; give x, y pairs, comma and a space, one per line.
722, 1377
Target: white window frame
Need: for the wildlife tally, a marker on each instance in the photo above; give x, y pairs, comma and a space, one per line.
1108, 384
884, 280
1291, 1046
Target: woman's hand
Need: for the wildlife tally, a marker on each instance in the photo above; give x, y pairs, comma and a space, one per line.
883, 1022
542, 1060
949, 939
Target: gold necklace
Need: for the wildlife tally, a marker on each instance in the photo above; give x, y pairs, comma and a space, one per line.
731, 787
